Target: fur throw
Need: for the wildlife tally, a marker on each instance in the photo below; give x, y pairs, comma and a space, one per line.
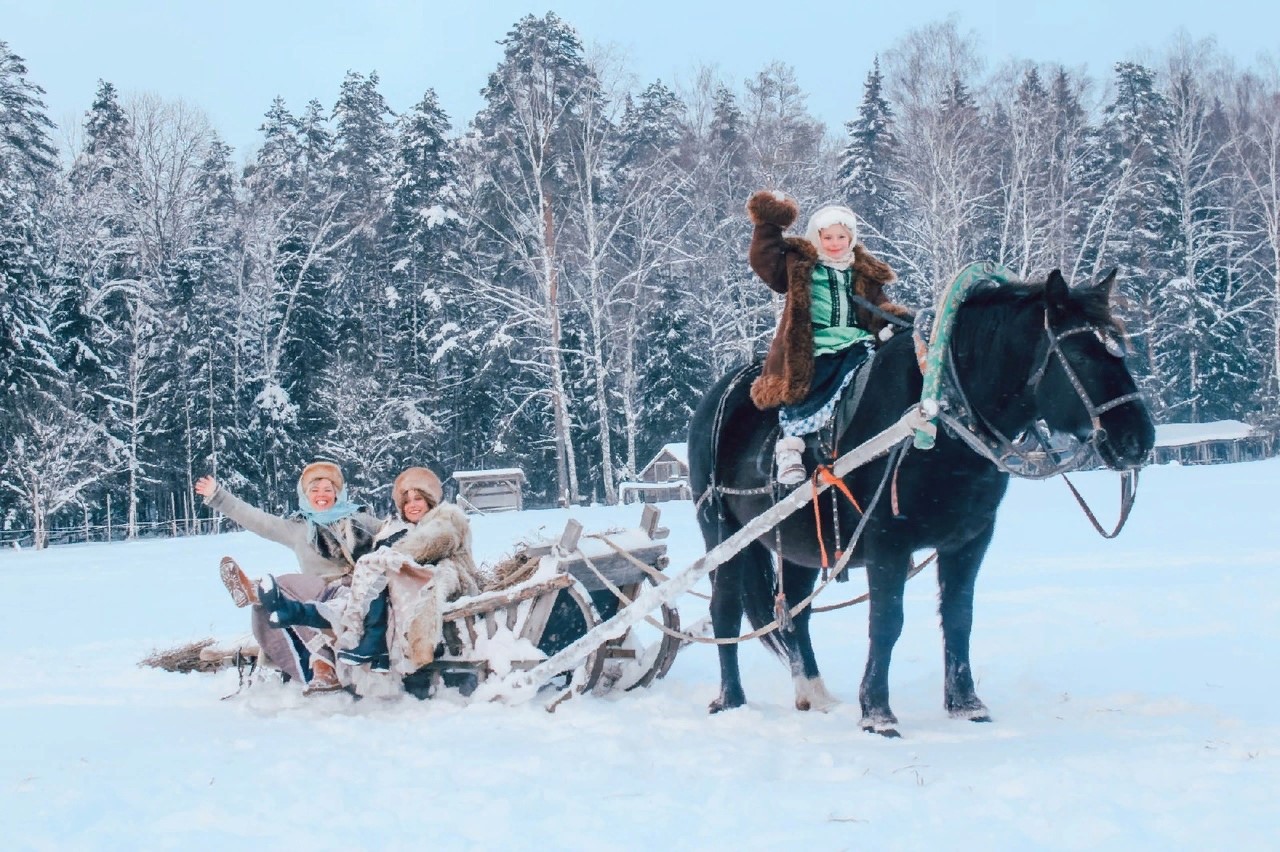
786, 265
425, 568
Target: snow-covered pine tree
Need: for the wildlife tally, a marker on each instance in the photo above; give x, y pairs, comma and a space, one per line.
425, 295
205, 295
677, 367
1141, 236
734, 314
533, 111
28, 163
654, 174
865, 174
51, 453
1200, 348
362, 165
292, 231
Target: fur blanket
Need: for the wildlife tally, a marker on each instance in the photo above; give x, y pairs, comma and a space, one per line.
430, 565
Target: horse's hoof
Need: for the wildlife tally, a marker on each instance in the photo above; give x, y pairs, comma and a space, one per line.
722, 703
885, 726
977, 713
811, 694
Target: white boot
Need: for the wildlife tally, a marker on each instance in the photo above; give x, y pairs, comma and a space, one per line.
787, 455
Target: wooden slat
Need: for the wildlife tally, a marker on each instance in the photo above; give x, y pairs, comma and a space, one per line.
569, 538
649, 518
615, 566
539, 612
466, 607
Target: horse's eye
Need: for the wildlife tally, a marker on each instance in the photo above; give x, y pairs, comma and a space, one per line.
1115, 346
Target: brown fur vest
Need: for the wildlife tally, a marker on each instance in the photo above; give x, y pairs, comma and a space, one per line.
786, 265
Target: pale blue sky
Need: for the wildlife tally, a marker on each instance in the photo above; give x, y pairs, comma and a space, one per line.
232, 57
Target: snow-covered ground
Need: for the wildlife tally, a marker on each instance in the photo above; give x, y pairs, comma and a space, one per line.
1133, 685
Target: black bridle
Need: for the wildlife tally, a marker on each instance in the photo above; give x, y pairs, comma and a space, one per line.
1033, 451
1031, 455
1095, 412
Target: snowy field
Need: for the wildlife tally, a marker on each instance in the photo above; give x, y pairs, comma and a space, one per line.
1133, 686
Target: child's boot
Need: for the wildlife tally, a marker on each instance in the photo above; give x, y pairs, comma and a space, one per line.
787, 455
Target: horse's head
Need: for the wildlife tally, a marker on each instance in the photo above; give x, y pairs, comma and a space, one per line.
1082, 385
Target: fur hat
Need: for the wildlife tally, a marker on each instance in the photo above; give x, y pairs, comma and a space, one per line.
835, 214
321, 470
420, 479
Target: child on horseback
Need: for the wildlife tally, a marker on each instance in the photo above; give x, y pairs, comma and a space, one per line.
834, 311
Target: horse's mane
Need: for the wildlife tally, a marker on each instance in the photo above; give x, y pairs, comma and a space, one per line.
993, 313
1095, 312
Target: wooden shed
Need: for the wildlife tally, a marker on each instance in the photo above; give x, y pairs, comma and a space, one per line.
1212, 443
665, 477
497, 490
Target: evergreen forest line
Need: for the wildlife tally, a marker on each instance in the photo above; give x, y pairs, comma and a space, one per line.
551, 286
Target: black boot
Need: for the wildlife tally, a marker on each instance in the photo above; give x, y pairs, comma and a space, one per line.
285, 611
373, 644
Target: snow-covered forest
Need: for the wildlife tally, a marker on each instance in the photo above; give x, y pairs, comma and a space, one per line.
550, 283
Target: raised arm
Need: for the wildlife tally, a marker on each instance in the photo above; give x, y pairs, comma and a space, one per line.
252, 518
771, 213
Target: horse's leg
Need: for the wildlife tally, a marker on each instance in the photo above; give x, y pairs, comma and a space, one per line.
726, 620
811, 692
886, 577
957, 574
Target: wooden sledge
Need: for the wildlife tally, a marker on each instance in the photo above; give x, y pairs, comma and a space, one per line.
517, 628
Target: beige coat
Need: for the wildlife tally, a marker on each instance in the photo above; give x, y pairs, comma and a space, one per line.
327, 559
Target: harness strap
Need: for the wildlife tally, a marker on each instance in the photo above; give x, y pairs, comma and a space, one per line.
823, 474
879, 311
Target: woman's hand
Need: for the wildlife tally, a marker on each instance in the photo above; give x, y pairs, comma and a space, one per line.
206, 485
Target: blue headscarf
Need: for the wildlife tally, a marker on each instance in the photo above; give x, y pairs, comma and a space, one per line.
342, 508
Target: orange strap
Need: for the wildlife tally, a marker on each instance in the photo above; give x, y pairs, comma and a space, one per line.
824, 475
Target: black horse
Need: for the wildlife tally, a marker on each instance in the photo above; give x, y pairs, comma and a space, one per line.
1021, 353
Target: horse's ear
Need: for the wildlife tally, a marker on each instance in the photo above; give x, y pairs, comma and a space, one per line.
1056, 291
1099, 292
1107, 284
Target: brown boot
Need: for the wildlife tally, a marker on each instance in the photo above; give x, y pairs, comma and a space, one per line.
323, 678
243, 590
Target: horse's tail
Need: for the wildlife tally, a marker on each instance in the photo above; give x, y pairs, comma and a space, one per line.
758, 591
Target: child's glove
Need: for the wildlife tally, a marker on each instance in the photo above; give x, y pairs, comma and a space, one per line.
770, 207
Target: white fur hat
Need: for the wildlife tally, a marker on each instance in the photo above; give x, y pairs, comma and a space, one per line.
825, 217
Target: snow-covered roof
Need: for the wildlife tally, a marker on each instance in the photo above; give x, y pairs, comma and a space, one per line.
494, 473
1178, 434
670, 485
680, 452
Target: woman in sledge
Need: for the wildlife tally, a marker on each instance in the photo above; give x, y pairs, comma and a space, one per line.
826, 330
391, 617
327, 534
